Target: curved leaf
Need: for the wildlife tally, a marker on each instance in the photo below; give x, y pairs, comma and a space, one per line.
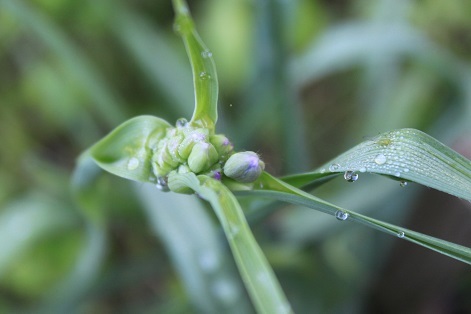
127, 150
204, 70
257, 274
405, 155
277, 189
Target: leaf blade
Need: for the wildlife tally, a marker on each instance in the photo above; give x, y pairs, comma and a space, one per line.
405, 154
203, 67
257, 274
277, 189
127, 150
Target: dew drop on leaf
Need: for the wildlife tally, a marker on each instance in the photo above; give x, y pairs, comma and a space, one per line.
401, 234
181, 123
341, 215
334, 167
133, 163
162, 184
380, 159
350, 176
206, 54
204, 76
403, 184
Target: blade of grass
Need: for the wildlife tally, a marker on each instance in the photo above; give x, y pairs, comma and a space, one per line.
405, 155
195, 247
277, 189
203, 68
257, 274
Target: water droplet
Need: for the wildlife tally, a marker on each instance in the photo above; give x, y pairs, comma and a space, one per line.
350, 176
181, 123
133, 163
403, 184
204, 76
206, 54
401, 234
362, 169
322, 170
208, 260
234, 230
397, 174
380, 159
162, 184
406, 170
334, 167
341, 215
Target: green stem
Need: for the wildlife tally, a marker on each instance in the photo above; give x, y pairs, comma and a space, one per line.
202, 64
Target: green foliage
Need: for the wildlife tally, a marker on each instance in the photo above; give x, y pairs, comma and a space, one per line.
300, 82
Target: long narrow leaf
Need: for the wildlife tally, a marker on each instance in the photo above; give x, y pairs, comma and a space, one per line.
405, 155
277, 189
257, 274
203, 67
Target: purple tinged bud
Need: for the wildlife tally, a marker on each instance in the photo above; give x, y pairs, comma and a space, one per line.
244, 167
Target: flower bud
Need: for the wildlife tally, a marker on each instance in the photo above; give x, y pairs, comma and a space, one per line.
173, 146
223, 146
244, 167
176, 185
202, 156
191, 138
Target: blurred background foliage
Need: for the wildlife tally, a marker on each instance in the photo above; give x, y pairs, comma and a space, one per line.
300, 82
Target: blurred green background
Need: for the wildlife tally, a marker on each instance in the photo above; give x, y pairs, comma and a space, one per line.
300, 82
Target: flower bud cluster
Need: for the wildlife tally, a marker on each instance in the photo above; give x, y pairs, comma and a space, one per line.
195, 148
186, 148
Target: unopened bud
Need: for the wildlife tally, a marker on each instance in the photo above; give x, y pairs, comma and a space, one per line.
223, 146
244, 167
202, 156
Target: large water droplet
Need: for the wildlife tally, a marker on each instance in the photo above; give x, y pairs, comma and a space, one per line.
341, 215
162, 184
204, 76
133, 163
181, 123
206, 54
334, 167
350, 176
401, 234
380, 159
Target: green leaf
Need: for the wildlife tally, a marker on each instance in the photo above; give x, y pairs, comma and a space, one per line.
257, 274
277, 189
127, 150
404, 155
204, 70
193, 241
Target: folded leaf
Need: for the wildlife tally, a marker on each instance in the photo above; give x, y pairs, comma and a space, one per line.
127, 150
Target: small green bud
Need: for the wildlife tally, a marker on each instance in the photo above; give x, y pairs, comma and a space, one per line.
191, 138
244, 167
202, 156
173, 146
223, 146
176, 185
